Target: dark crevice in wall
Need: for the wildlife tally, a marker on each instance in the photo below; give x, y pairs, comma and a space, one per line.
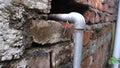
51, 66
67, 6
36, 45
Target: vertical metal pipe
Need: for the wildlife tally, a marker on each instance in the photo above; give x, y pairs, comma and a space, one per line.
116, 51
78, 39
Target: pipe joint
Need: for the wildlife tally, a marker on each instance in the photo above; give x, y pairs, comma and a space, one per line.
76, 18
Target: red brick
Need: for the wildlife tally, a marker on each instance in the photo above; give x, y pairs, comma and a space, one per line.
95, 65
94, 35
107, 19
89, 16
105, 8
89, 2
97, 18
87, 62
93, 3
100, 6
86, 39
103, 54
105, 29
101, 57
112, 10
96, 3
96, 55
96, 62
111, 3
110, 18
102, 17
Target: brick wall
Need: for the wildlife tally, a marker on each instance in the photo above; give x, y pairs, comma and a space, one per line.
101, 13
29, 39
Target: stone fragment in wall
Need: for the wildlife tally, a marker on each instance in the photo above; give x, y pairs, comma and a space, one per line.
58, 56
18, 64
17, 19
44, 32
62, 55
33, 59
11, 46
40, 5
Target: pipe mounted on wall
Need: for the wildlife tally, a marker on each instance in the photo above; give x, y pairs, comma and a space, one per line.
116, 51
79, 26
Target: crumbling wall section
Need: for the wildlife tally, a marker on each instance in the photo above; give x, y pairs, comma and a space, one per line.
28, 39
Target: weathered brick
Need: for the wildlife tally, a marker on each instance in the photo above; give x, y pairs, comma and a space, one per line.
94, 35
96, 4
89, 16
105, 30
32, 59
87, 35
97, 18
102, 17
89, 2
103, 54
110, 18
96, 63
105, 8
96, 55
107, 19
87, 62
111, 3
112, 10
100, 56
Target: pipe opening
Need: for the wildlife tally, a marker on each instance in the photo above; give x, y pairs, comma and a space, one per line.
67, 6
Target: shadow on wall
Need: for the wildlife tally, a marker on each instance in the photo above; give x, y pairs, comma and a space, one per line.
67, 6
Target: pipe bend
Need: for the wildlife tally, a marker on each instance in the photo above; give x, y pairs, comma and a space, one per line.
76, 18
